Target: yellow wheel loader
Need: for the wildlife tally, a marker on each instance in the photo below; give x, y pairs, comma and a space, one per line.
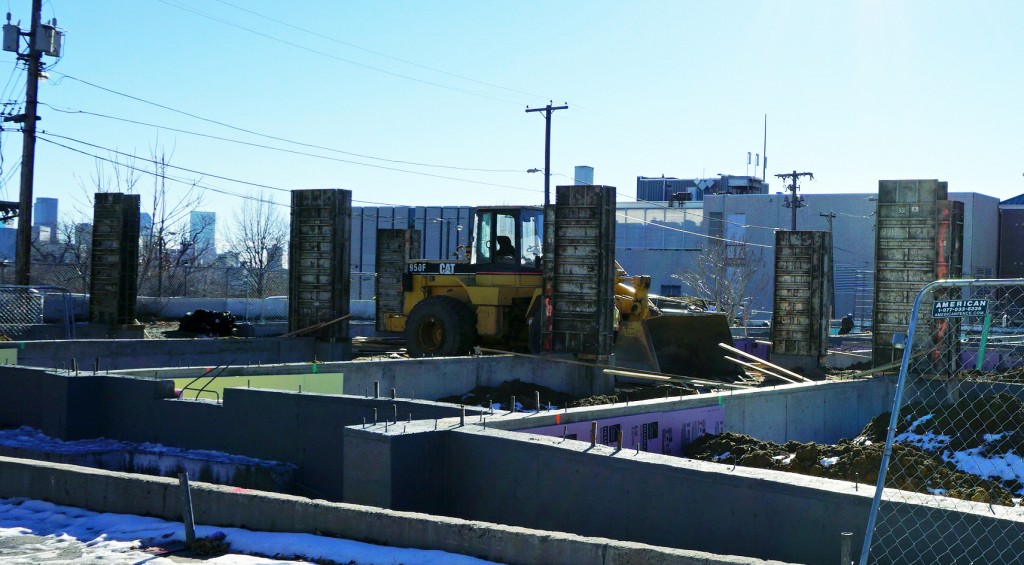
490, 295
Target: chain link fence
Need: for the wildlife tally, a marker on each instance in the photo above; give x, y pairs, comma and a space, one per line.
951, 477
24, 309
264, 295
195, 282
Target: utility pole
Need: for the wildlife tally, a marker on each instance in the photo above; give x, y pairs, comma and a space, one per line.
23, 250
43, 39
831, 258
549, 227
547, 147
794, 202
828, 218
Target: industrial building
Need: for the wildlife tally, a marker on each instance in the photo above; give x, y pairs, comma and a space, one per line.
661, 239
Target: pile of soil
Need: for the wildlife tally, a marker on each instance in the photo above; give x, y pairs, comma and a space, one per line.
912, 468
525, 395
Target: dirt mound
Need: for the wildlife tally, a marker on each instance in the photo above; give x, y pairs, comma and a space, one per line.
850, 461
928, 439
525, 396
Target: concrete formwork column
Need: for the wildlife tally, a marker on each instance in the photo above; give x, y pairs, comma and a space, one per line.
318, 263
584, 271
394, 249
803, 298
583, 275
919, 239
113, 283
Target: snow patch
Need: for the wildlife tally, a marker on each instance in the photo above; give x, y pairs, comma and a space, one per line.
58, 527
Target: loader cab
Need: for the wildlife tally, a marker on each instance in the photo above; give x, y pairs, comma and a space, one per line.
508, 239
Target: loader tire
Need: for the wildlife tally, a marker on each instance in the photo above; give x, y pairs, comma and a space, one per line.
440, 326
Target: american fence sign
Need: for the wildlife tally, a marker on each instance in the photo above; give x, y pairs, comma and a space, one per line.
959, 308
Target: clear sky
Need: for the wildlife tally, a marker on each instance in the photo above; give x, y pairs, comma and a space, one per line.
377, 91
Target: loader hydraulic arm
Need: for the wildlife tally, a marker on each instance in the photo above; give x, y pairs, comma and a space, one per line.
631, 295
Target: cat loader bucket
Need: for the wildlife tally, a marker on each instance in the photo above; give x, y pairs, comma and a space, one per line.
684, 344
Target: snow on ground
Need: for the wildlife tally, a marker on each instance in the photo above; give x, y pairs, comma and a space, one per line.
33, 531
977, 461
30, 438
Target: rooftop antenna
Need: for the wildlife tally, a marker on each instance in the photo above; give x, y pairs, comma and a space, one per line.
764, 149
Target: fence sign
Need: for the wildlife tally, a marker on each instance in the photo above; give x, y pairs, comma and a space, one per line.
959, 308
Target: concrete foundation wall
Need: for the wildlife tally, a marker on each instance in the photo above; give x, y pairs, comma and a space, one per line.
115, 354
428, 379
822, 412
488, 473
549, 483
105, 491
305, 430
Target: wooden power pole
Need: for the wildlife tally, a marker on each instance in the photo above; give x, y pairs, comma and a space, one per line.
793, 202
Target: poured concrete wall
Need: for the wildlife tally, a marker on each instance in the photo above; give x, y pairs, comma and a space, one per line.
822, 412
215, 505
647, 498
548, 483
428, 379
487, 473
478, 471
305, 430
115, 354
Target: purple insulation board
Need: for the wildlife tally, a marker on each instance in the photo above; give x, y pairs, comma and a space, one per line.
657, 432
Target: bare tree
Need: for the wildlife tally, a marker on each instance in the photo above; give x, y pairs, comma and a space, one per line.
66, 259
166, 245
259, 235
726, 274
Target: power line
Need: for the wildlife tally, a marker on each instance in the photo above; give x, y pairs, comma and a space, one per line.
189, 181
483, 183
248, 143
197, 184
335, 57
155, 174
372, 52
44, 133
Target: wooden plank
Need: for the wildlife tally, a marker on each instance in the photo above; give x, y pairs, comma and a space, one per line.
688, 380
759, 369
774, 367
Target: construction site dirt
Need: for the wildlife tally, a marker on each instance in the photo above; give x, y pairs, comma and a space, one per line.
931, 441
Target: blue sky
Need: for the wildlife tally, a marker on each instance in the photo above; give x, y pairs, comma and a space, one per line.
854, 92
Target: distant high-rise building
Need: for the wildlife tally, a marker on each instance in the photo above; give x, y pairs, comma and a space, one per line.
583, 175
145, 225
42, 235
44, 213
202, 229
275, 257
83, 237
8, 237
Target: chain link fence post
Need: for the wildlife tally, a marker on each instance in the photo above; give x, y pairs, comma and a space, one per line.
951, 475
